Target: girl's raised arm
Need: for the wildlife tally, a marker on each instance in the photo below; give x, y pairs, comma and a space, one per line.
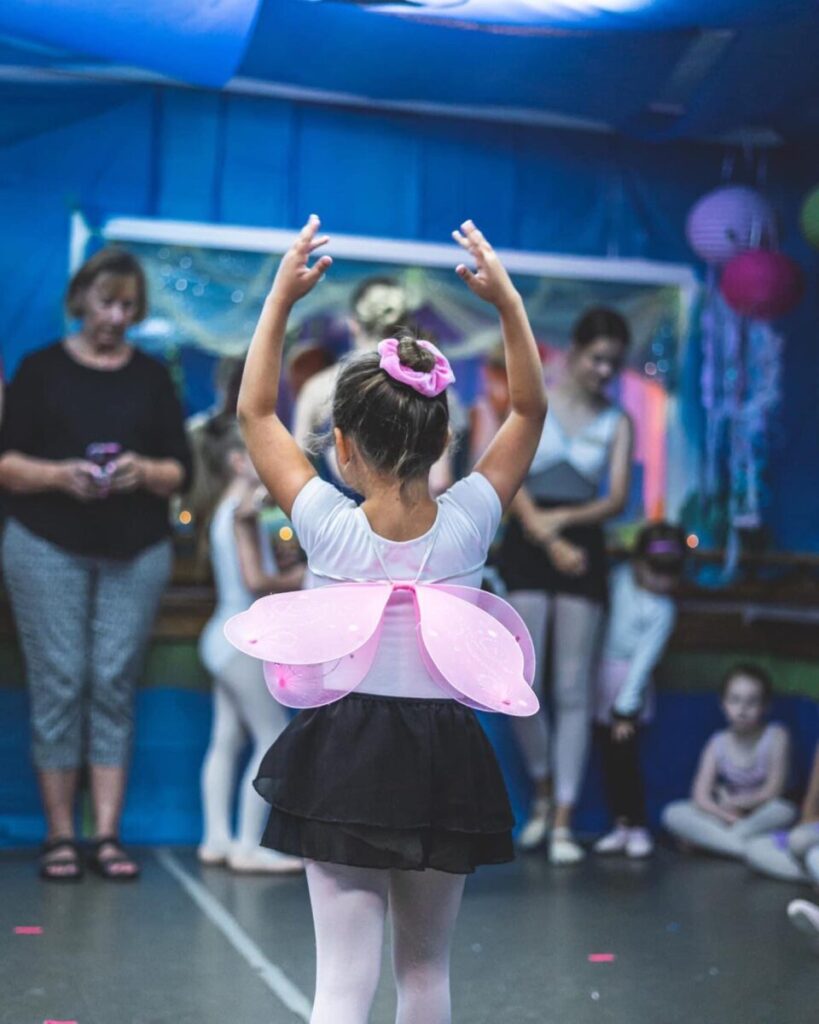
282, 466
506, 461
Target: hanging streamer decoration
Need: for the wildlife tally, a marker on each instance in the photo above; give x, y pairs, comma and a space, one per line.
740, 377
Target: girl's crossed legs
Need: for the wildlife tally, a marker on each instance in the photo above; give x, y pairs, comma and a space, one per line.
349, 910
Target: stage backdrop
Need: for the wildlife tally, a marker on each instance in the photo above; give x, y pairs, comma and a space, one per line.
175, 154
166, 153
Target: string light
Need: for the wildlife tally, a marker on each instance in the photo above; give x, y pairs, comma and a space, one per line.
692, 540
185, 517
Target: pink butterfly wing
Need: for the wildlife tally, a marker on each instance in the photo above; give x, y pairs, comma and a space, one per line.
506, 615
471, 653
317, 645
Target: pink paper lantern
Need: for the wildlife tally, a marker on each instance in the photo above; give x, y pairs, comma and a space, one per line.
728, 221
762, 284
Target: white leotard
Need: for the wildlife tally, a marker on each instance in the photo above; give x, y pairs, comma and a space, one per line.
341, 546
232, 595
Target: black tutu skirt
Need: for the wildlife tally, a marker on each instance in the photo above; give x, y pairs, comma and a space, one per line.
387, 782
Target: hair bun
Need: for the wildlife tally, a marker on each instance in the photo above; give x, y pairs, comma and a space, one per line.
411, 355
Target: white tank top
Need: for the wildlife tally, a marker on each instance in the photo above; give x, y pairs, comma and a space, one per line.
583, 457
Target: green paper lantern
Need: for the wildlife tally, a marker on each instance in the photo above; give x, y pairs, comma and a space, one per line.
809, 217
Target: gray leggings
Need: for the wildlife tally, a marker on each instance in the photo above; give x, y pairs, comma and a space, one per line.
83, 625
688, 822
787, 856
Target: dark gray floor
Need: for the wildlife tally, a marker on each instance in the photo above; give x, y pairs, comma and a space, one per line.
696, 941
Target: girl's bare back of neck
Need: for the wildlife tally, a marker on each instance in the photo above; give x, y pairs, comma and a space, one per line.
399, 513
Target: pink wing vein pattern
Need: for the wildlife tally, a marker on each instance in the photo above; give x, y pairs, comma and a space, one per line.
318, 645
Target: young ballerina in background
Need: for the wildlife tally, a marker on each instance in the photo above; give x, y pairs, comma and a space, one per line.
742, 774
393, 794
242, 708
641, 619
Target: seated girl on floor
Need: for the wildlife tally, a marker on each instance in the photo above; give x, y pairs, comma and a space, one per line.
742, 774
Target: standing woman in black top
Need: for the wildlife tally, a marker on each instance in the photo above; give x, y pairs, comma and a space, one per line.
92, 447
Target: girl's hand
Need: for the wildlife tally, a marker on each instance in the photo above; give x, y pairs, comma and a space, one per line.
622, 730
566, 557
295, 277
489, 281
250, 503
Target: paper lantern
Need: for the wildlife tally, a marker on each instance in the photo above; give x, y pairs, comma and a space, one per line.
728, 221
762, 284
809, 217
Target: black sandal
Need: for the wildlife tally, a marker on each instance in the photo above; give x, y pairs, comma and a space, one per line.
49, 864
102, 865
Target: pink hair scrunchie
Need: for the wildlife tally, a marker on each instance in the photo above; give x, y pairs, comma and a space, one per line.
429, 383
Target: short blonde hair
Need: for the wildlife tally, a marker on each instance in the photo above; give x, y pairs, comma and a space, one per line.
109, 260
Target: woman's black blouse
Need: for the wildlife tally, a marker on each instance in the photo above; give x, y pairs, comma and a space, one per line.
55, 408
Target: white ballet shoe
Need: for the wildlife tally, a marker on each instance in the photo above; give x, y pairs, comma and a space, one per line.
614, 842
263, 862
805, 916
213, 854
534, 832
639, 844
563, 849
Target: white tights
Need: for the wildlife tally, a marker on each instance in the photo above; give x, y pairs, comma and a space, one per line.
575, 626
242, 708
349, 910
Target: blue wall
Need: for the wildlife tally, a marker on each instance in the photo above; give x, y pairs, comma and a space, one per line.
203, 156
173, 725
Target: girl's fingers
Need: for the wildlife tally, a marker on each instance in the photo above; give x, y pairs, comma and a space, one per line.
318, 242
459, 238
308, 231
319, 267
464, 272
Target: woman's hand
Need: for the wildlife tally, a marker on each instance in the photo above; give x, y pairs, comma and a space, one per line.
79, 479
295, 277
622, 730
125, 473
566, 557
543, 525
489, 281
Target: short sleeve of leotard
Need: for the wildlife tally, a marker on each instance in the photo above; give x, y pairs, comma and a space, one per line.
478, 500
314, 509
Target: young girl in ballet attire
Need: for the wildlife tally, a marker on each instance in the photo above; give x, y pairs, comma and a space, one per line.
742, 774
391, 795
641, 618
242, 709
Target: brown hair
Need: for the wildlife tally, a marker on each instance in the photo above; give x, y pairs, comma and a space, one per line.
600, 322
109, 260
397, 430
745, 668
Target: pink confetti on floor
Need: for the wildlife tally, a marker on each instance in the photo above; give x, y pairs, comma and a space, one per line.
28, 930
602, 958
59, 1022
